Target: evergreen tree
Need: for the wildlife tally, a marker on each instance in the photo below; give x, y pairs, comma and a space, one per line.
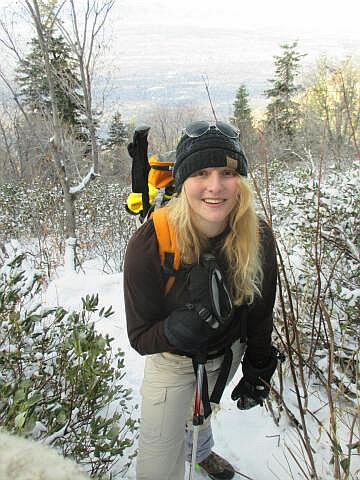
118, 132
34, 87
282, 111
242, 117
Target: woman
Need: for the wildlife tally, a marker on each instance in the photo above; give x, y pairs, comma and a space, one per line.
213, 213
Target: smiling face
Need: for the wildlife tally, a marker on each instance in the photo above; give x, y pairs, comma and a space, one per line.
212, 194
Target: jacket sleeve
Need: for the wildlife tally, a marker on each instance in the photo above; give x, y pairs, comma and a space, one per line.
145, 305
260, 318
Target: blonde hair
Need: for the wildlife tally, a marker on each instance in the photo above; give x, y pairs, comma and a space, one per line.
241, 247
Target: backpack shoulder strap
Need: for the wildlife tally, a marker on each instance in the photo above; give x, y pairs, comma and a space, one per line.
168, 248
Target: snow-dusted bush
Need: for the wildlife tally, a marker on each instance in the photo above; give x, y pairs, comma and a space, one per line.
316, 218
59, 381
317, 222
23, 459
30, 210
36, 212
104, 225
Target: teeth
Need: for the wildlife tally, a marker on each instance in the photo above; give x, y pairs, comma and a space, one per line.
208, 200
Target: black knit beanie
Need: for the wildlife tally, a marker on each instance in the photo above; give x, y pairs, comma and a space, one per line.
212, 149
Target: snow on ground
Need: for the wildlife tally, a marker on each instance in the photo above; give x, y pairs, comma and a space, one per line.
250, 440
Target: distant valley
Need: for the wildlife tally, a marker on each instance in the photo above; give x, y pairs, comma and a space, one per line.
164, 66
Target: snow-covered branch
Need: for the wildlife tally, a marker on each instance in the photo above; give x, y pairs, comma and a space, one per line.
84, 182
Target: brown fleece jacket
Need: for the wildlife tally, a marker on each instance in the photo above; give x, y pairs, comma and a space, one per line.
147, 306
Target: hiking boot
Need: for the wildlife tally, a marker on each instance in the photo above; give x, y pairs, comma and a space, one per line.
217, 467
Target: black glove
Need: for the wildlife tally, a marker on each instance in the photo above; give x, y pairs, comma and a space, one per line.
252, 389
187, 330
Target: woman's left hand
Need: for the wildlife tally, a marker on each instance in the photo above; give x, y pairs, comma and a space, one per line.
253, 388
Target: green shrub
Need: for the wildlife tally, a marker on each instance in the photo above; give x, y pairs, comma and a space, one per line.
59, 381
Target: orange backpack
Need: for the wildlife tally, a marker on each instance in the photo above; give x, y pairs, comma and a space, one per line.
152, 186
160, 185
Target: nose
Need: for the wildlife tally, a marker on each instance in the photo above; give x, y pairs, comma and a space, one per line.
214, 183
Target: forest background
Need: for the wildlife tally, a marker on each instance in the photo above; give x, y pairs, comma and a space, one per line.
64, 177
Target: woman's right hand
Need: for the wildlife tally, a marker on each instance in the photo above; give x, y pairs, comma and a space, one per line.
190, 327
187, 329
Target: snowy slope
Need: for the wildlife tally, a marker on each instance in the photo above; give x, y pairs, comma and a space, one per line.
250, 440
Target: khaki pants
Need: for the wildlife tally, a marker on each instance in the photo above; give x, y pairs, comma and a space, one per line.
167, 406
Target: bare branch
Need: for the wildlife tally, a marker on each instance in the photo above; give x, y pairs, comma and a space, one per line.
19, 104
9, 42
206, 83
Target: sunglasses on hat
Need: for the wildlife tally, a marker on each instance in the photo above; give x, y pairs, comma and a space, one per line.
199, 128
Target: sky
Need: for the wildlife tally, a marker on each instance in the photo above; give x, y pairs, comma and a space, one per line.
325, 15
333, 16
336, 18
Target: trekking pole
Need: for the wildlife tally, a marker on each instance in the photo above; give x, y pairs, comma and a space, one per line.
198, 419
138, 151
219, 312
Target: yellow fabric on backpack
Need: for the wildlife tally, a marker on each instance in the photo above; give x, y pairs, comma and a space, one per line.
134, 200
